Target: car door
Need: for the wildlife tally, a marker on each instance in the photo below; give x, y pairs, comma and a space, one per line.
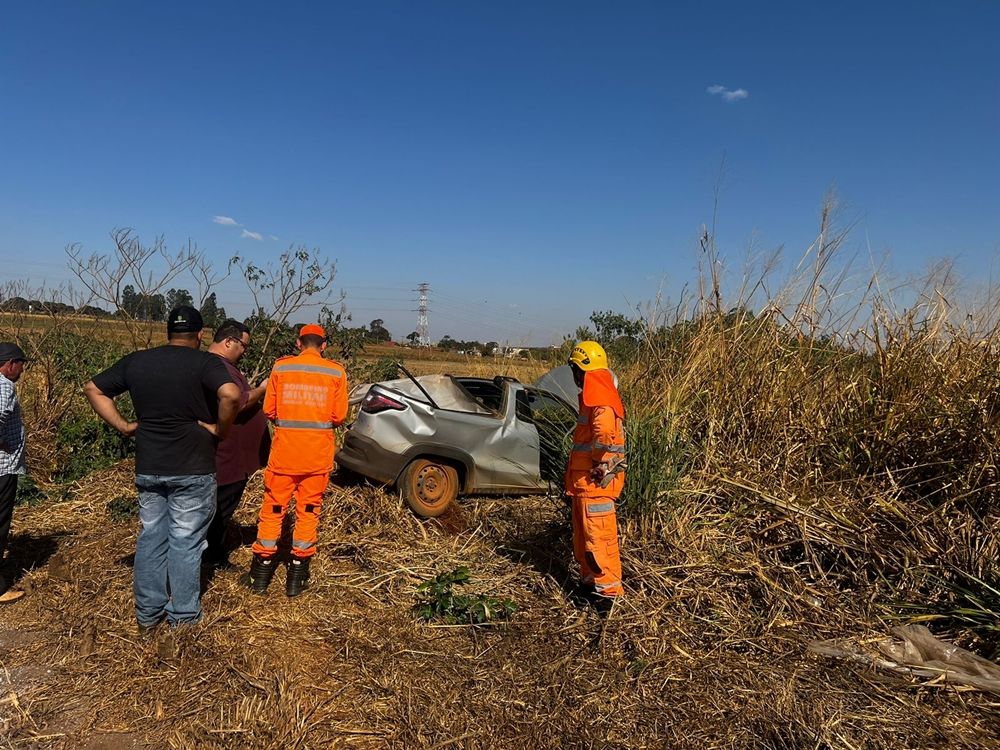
508, 460
525, 452
549, 421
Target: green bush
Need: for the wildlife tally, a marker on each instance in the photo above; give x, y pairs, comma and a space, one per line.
29, 493
123, 508
442, 603
83, 443
87, 444
383, 368
77, 358
269, 339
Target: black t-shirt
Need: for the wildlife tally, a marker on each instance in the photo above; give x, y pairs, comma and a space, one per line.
172, 387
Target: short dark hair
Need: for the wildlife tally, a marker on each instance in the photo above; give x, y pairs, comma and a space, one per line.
230, 329
312, 339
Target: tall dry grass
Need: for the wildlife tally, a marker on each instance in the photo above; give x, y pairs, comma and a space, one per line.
843, 435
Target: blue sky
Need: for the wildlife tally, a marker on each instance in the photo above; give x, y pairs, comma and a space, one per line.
532, 161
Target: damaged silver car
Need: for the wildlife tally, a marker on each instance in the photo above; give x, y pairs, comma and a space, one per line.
438, 436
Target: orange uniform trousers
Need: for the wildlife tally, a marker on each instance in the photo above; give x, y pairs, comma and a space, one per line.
595, 543
278, 490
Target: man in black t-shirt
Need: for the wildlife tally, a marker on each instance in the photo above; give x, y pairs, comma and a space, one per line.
185, 403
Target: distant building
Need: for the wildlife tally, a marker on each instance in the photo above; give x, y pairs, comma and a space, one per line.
510, 351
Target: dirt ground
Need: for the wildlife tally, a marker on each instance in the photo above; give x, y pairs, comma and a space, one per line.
701, 654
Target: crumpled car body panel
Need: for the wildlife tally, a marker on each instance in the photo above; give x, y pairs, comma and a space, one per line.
488, 427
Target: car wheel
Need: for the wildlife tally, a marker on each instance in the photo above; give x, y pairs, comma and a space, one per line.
429, 487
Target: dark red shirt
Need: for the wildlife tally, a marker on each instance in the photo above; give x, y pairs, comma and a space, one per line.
246, 447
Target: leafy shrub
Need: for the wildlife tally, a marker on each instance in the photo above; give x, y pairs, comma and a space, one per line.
87, 444
123, 508
76, 358
442, 603
29, 493
272, 339
269, 339
383, 368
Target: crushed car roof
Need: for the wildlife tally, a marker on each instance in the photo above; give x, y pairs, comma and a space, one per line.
447, 394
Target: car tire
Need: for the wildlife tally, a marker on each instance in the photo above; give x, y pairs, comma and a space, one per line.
429, 487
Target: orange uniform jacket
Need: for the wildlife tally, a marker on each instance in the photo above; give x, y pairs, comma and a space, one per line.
599, 438
306, 398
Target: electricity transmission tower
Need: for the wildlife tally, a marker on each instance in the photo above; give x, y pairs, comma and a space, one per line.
423, 338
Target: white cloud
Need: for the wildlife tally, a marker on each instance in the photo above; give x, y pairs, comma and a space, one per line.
728, 95
229, 221
273, 237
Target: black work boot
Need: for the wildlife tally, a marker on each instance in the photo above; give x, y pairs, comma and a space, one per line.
297, 578
602, 605
260, 575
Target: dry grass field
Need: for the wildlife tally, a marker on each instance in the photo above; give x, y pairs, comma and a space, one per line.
707, 650
779, 493
433, 362
104, 328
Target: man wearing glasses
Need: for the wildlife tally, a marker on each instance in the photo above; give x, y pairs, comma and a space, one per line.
246, 448
12, 364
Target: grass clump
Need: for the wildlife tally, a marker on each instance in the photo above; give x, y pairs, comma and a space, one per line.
123, 508
657, 462
440, 601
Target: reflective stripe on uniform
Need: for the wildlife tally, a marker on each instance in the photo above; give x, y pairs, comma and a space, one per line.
588, 447
269, 543
298, 424
600, 507
606, 586
303, 545
609, 448
331, 371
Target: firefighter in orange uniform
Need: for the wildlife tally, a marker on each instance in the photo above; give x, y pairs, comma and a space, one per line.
595, 473
306, 398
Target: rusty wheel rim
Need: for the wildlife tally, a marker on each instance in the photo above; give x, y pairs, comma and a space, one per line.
433, 484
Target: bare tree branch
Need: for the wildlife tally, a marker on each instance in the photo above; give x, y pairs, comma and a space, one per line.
148, 269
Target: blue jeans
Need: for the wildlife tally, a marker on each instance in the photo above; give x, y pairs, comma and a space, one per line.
175, 513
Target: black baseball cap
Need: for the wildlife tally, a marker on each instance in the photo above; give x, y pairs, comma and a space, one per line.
9, 351
184, 319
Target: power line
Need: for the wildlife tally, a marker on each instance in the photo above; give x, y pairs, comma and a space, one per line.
494, 312
512, 320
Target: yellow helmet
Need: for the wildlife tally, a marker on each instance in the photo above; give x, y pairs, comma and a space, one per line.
589, 355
